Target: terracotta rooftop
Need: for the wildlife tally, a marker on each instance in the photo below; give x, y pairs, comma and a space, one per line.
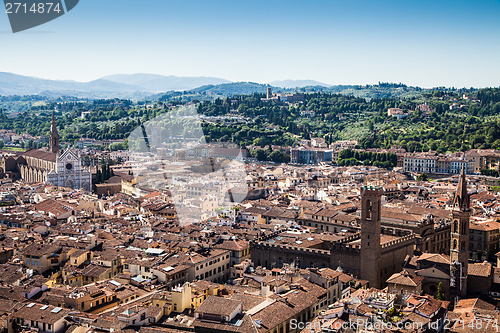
467, 305
41, 154
406, 279
480, 269
41, 313
214, 305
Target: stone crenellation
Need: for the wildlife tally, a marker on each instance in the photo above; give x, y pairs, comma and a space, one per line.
398, 241
290, 248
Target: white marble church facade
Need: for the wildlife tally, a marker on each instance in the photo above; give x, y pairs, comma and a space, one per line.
69, 172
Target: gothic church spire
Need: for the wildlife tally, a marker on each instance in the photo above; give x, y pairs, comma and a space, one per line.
54, 136
462, 199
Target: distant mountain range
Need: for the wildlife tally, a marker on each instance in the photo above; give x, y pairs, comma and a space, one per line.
133, 86
13, 84
152, 86
233, 88
290, 84
160, 83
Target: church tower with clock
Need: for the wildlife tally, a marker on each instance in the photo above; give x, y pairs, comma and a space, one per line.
459, 251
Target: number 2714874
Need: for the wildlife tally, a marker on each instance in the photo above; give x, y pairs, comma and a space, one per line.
476, 323
33, 8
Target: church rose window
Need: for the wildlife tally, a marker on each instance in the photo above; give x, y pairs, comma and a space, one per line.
69, 166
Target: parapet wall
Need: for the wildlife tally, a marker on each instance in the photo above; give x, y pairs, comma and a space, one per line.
295, 249
355, 248
402, 241
275, 255
267, 237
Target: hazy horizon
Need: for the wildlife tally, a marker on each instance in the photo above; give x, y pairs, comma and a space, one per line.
425, 43
257, 82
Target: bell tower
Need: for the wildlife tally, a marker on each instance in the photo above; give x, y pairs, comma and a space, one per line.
459, 249
370, 234
54, 136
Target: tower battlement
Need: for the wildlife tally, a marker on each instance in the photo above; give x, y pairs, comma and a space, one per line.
267, 237
371, 190
399, 241
275, 255
294, 249
349, 239
346, 247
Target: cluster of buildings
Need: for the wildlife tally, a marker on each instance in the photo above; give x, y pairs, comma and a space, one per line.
397, 113
89, 142
474, 161
305, 248
12, 138
316, 151
205, 151
437, 164
307, 155
283, 97
312, 249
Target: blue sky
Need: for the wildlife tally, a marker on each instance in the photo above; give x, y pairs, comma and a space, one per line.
425, 43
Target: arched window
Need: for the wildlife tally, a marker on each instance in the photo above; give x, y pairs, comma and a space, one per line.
455, 226
368, 209
455, 244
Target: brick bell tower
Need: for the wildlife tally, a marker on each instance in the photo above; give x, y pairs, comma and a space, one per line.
459, 251
370, 235
54, 136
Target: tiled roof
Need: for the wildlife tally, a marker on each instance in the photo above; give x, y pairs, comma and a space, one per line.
273, 315
94, 270
466, 305
54, 207
404, 278
485, 226
218, 306
248, 301
35, 249
435, 258
49, 314
233, 245
345, 278
427, 305
329, 273
41, 154
480, 269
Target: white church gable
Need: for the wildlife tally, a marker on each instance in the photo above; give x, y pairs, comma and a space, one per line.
70, 172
